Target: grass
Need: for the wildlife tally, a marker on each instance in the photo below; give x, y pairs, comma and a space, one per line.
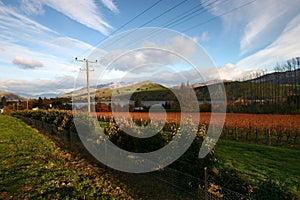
259, 162
33, 166
144, 90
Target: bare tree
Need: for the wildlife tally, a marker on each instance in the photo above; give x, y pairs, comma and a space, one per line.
276, 85
297, 80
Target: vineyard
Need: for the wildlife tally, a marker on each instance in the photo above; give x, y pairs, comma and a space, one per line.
238, 127
267, 129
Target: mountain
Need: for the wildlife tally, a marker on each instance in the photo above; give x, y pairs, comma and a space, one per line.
144, 90
147, 91
78, 93
105, 88
112, 85
211, 82
287, 77
47, 95
11, 96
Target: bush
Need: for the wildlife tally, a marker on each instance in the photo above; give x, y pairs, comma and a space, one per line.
60, 119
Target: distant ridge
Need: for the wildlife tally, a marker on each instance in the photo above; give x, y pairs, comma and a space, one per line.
287, 77
211, 82
11, 96
105, 91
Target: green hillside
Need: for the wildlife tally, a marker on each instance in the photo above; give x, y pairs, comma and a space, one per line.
145, 90
11, 96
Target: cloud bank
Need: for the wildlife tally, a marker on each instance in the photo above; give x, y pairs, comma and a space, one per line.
85, 12
111, 5
267, 32
25, 63
283, 48
260, 22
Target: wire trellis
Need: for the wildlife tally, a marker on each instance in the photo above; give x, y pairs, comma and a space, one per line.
190, 187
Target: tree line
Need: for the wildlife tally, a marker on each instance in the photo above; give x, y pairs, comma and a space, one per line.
262, 92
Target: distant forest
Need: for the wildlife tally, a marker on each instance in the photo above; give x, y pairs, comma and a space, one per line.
277, 92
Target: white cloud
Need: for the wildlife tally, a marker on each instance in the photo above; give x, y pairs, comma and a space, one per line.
195, 39
204, 37
37, 86
165, 76
12, 22
35, 46
19, 31
52, 65
283, 48
84, 12
259, 22
25, 63
150, 54
184, 47
69, 47
230, 72
32, 7
267, 31
34, 42
111, 5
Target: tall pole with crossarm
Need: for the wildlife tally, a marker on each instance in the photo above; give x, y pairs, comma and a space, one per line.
87, 79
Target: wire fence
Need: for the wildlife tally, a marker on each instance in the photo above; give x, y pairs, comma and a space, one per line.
190, 187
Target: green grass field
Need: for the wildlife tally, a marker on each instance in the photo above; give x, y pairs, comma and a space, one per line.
259, 162
33, 166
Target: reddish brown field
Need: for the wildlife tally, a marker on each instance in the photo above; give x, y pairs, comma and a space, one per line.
263, 121
232, 120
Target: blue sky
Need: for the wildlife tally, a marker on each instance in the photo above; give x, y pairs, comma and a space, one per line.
39, 39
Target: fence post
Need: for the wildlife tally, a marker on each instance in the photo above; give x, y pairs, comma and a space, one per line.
206, 185
269, 136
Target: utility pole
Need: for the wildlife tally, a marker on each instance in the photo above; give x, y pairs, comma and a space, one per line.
87, 79
27, 104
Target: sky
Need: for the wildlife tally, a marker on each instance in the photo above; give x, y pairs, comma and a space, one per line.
39, 39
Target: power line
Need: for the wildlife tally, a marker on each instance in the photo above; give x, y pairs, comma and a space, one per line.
126, 23
191, 15
178, 20
215, 17
165, 12
137, 16
207, 21
151, 20
184, 15
175, 20
181, 19
171, 23
122, 26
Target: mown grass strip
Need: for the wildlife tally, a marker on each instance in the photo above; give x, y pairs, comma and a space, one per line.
258, 162
33, 166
